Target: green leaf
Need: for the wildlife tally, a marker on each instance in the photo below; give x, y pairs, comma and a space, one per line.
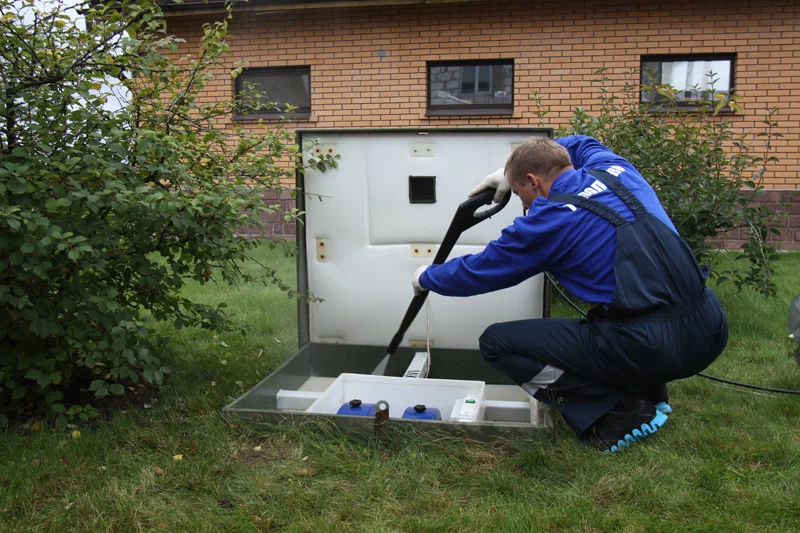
117, 389
53, 396
96, 385
33, 374
16, 187
119, 344
19, 392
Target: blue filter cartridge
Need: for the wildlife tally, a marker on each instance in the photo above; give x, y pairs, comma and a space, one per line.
421, 412
357, 408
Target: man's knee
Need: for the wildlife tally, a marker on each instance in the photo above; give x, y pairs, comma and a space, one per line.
490, 344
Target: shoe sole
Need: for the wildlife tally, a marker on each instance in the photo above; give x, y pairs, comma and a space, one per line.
664, 407
644, 431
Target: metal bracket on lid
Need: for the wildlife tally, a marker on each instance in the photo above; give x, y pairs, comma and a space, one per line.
421, 150
422, 249
322, 250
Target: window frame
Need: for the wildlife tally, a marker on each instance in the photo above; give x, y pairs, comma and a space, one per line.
693, 104
300, 114
468, 109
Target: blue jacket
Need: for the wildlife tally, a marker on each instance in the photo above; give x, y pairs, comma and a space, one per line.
576, 246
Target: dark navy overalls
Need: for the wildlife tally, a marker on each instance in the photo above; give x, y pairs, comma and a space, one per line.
663, 324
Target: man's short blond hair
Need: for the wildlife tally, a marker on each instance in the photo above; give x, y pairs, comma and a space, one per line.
542, 157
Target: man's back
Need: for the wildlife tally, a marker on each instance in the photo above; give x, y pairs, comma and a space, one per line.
576, 246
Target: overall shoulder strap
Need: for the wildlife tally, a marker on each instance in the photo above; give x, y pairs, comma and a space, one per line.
593, 206
625, 194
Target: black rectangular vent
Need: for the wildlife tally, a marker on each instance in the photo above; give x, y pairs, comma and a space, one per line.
422, 189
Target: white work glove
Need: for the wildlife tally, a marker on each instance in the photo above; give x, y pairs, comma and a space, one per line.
495, 180
415, 280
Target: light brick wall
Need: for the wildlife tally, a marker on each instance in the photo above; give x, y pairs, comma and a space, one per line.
556, 46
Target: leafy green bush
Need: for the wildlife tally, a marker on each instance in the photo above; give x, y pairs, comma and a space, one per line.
706, 172
105, 214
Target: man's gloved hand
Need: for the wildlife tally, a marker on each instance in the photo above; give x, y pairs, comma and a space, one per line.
415, 280
495, 180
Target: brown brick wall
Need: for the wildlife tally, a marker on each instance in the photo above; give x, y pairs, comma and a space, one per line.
274, 224
787, 203
556, 47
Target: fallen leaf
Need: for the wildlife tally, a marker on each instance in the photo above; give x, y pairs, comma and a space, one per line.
257, 448
213, 383
305, 458
157, 471
76, 434
148, 406
36, 426
178, 457
35, 462
224, 502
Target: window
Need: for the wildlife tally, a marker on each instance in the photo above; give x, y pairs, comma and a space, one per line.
696, 77
276, 87
471, 87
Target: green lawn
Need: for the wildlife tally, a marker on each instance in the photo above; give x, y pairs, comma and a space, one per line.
727, 460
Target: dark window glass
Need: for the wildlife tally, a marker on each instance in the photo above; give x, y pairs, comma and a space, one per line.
470, 87
276, 87
484, 79
467, 80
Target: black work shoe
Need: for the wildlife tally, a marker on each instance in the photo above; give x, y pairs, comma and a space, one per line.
658, 395
633, 418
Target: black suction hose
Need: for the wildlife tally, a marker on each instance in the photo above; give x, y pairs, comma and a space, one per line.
713, 378
748, 385
467, 215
